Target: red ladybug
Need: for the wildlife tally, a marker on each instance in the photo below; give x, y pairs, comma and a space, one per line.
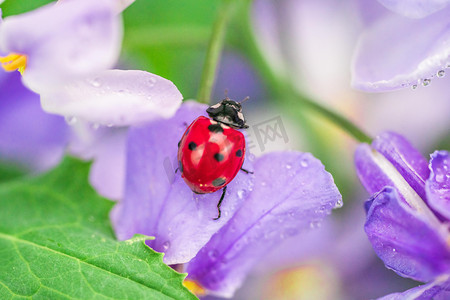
211, 152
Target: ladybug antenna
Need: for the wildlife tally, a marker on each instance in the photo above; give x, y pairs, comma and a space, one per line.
245, 99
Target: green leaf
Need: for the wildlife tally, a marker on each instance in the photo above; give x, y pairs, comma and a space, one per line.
56, 243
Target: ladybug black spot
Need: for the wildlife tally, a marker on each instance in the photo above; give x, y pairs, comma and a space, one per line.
219, 157
192, 146
179, 143
218, 181
239, 153
180, 166
215, 128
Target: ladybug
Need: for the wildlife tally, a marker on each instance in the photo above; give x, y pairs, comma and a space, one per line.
211, 151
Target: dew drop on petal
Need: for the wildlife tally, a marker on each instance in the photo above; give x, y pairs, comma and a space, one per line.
166, 245
213, 254
96, 82
440, 178
288, 166
240, 194
304, 163
414, 86
70, 120
426, 82
152, 81
441, 73
314, 224
339, 203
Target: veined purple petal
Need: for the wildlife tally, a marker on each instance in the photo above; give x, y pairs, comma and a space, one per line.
408, 161
292, 193
28, 136
158, 202
397, 52
438, 289
405, 242
64, 41
438, 185
115, 97
414, 8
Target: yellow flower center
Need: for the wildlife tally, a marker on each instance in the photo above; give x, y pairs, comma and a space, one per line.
194, 287
13, 62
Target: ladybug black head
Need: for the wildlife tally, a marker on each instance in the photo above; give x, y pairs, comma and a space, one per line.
228, 112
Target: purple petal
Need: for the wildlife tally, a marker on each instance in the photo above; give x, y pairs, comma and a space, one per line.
64, 41
438, 289
115, 97
28, 136
438, 185
404, 241
414, 8
293, 193
408, 161
397, 52
158, 202
106, 148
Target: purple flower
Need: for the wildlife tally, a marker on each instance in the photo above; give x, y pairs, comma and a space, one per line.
66, 60
407, 217
398, 51
63, 41
288, 192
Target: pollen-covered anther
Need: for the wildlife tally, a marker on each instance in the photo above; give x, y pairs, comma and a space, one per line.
194, 287
13, 62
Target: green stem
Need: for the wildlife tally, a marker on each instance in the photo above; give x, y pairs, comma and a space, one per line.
283, 90
214, 51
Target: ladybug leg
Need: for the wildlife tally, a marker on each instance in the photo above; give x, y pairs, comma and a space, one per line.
220, 202
246, 171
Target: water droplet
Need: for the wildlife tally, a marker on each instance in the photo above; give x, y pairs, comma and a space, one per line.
240, 194
96, 82
95, 126
304, 163
314, 224
152, 81
440, 178
426, 82
414, 86
393, 250
441, 73
213, 254
166, 245
70, 120
339, 203
288, 166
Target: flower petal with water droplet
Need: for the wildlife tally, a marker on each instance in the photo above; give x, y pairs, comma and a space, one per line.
289, 202
415, 8
436, 289
397, 52
404, 240
438, 185
115, 97
62, 42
